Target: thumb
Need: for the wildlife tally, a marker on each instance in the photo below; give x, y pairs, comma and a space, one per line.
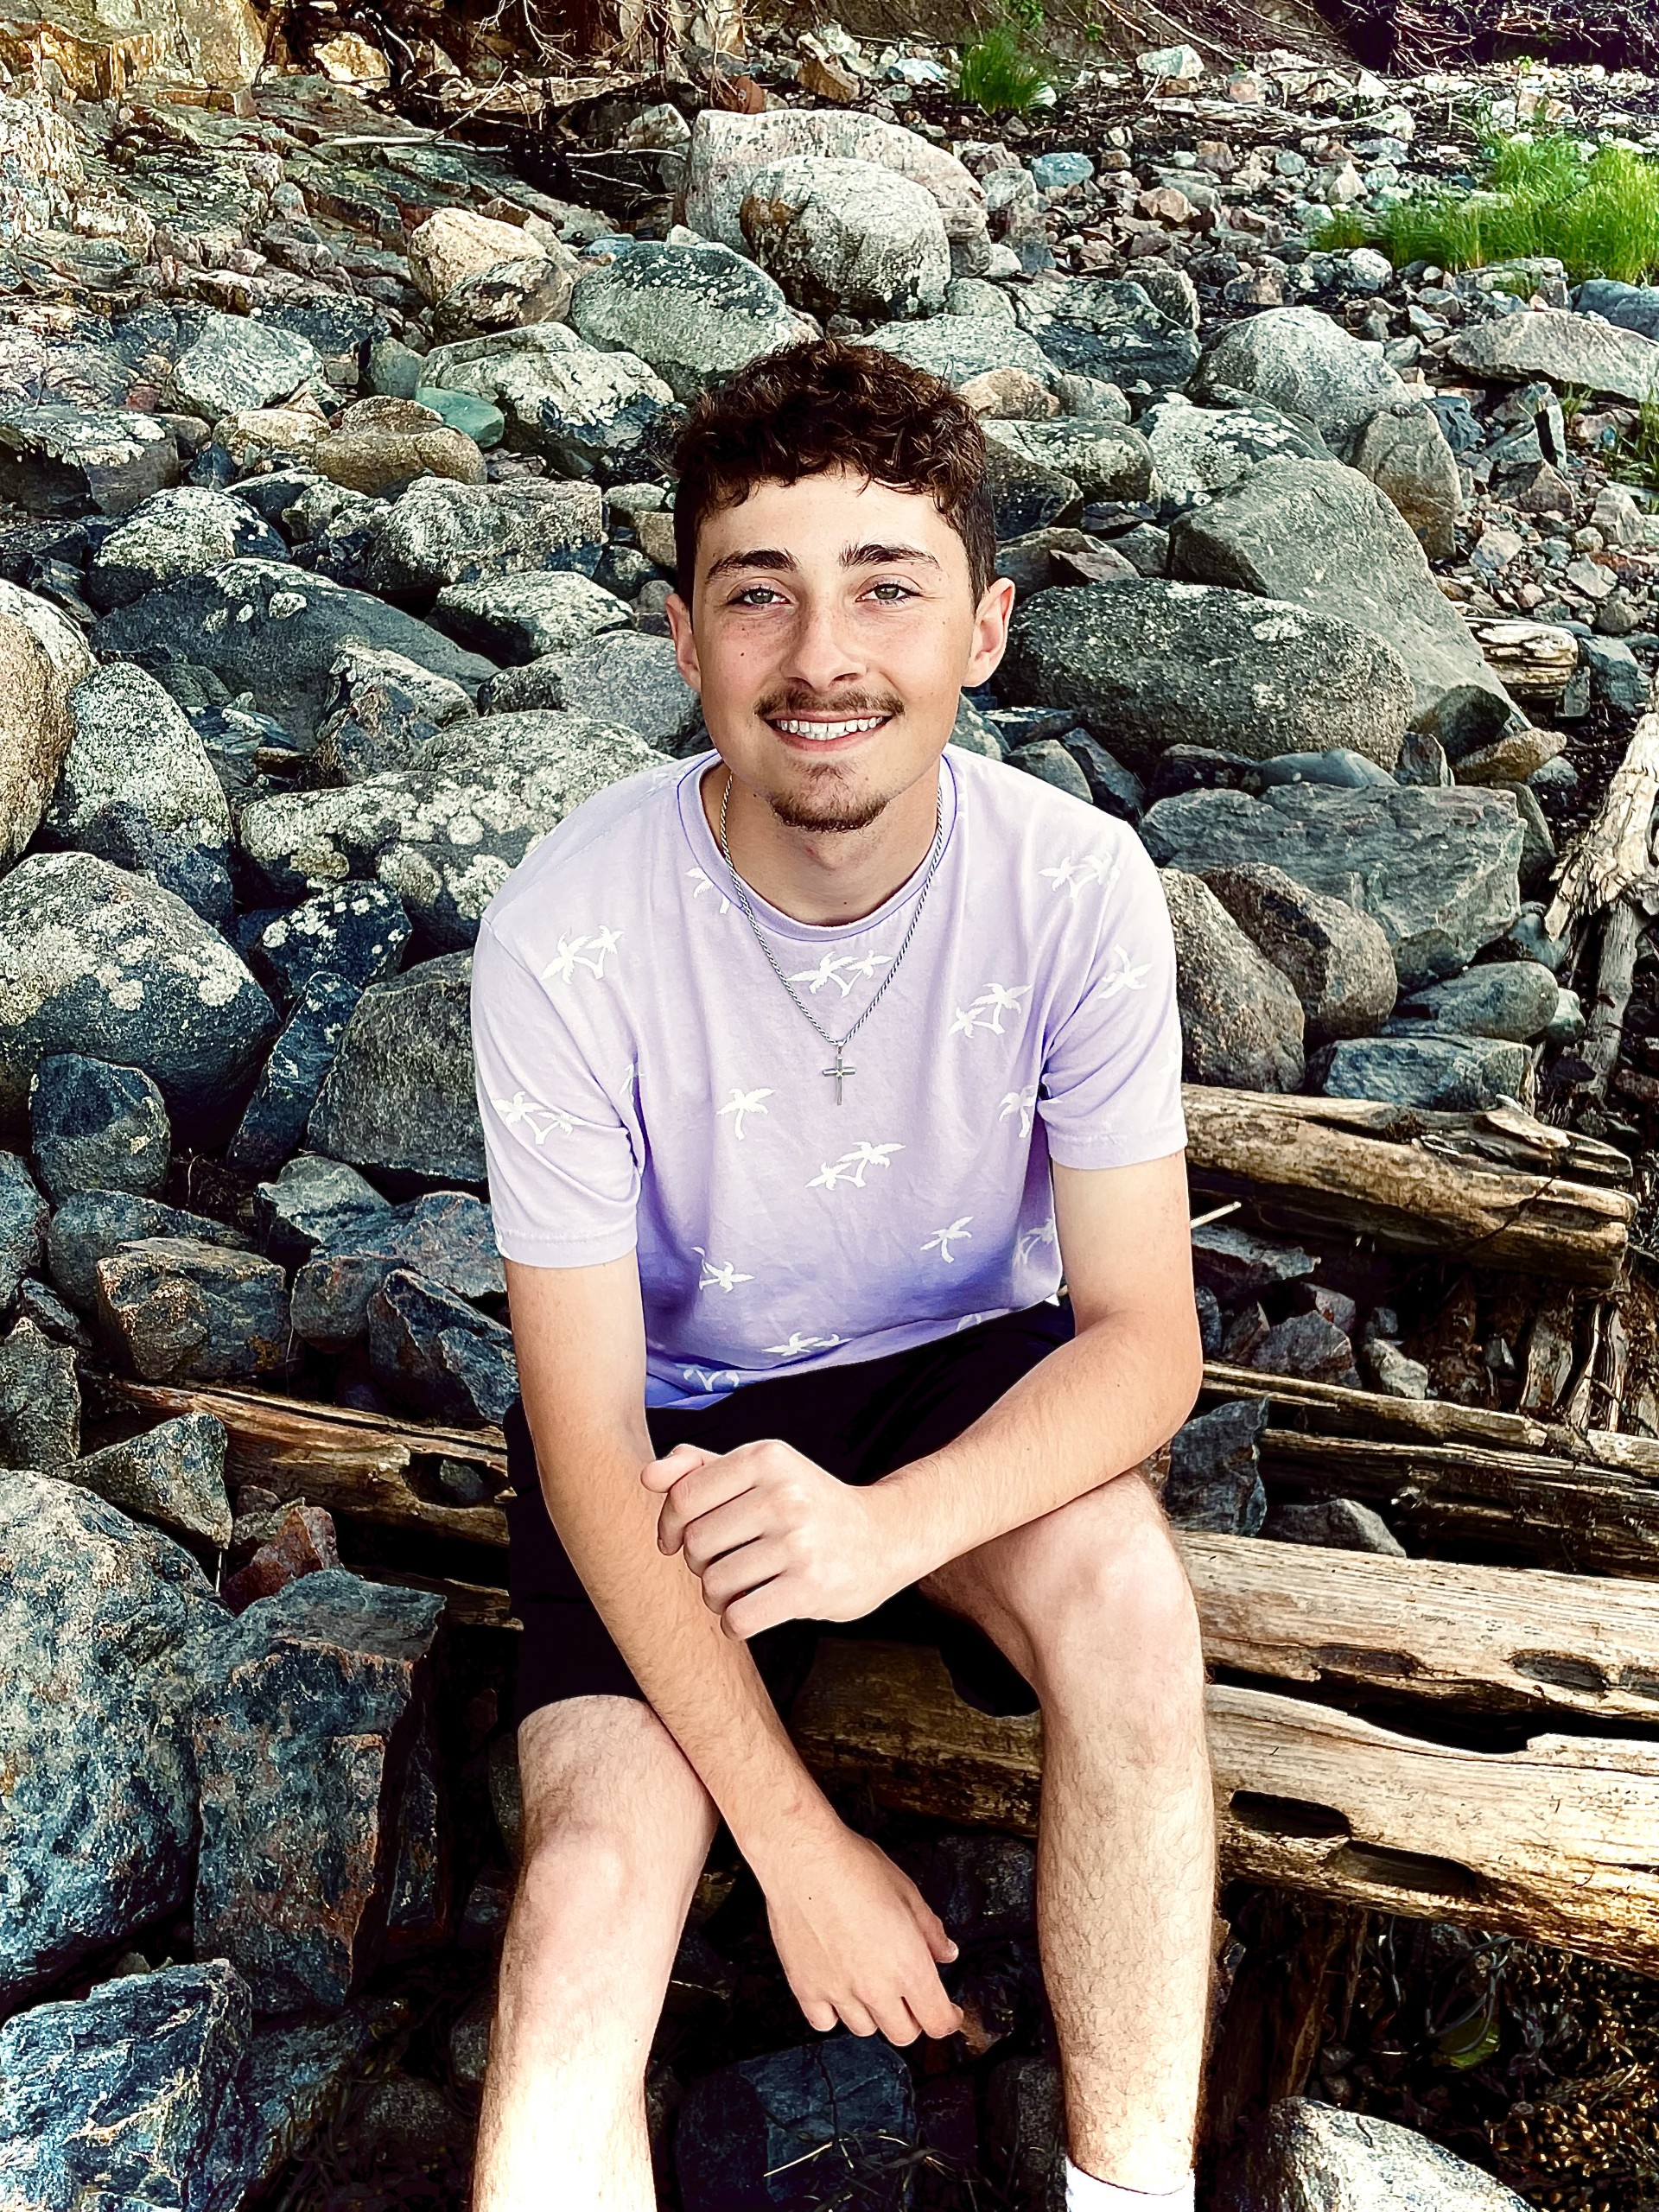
664, 1473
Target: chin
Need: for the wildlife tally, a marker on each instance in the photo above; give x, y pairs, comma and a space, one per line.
828, 798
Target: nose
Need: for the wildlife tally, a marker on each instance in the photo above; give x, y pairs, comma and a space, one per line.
821, 654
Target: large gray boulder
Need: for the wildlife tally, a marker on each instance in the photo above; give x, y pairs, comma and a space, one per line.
1437, 868
1147, 665
622, 678
586, 410
442, 533
236, 364
693, 312
1107, 327
1199, 449
107, 1632
402, 1093
42, 657
1336, 959
960, 347
726, 149
848, 238
516, 618
1316, 532
1241, 1021
444, 834
132, 744
175, 533
1563, 347
270, 629
94, 960
1307, 2157
1106, 461
1299, 359
58, 459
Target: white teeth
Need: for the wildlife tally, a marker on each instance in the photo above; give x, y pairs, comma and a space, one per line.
823, 730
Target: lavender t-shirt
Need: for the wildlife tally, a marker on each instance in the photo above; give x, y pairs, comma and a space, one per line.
643, 1079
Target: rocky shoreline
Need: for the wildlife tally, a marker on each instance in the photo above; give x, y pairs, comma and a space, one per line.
336, 531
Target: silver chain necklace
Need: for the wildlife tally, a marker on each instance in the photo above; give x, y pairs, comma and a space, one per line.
840, 1071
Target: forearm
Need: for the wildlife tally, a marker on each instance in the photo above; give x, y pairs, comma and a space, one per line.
1094, 1407
702, 1683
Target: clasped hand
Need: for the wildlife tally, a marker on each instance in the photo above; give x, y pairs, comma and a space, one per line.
771, 1535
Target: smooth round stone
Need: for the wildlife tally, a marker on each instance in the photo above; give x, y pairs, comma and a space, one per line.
462, 410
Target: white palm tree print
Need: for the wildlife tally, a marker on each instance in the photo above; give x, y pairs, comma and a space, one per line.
1031, 1238
1074, 874
719, 1275
797, 1344
850, 1168
942, 1239
1123, 975
1022, 1102
988, 1008
706, 882
571, 955
741, 1102
519, 1109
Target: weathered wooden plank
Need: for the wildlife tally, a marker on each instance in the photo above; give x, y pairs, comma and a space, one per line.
1302, 1171
1479, 1639
1555, 1841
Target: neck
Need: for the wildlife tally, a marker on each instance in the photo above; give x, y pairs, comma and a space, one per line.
818, 876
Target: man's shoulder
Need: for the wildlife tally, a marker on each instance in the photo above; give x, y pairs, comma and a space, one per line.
1049, 836
598, 850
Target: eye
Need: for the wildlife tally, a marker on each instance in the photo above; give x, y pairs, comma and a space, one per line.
890, 592
756, 595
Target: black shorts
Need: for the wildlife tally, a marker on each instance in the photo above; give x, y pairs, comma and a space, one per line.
860, 1422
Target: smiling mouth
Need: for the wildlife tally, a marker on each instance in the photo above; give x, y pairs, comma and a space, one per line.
820, 731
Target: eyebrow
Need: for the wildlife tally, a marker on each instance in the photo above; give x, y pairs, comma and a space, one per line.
774, 559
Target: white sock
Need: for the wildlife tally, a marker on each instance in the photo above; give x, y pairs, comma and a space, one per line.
1084, 2193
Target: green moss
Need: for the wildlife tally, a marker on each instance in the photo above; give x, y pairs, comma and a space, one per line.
1596, 209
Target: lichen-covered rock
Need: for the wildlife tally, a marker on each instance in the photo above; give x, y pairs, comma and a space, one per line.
180, 532
516, 618
1437, 868
264, 628
182, 1311
1307, 2157
1450, 1074
24, 1216
315, 1205
1107, 327
587, 412
446, 1237
72, 460
961, 347
302, 1754
42, 656
1241, 1021
620, 677
445, 834
355, 931
1403, 451
727, 150
131, 745
1336, 959
1107, 462
454, 243
107, 1632
1148, 665
238, 364
1199, 449
95, 1224
132, 2096
173, 1474
97, 1127
402, 1093
693, 312
1566, 349
1317, 533
1301, 360
439, 1354
274, 1119
39, 1400
1215, 1476
95, 961
847, 238
439, 534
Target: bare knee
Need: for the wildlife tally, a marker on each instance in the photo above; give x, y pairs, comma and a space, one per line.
1114, 1614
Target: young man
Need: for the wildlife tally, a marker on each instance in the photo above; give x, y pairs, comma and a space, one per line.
806, 1067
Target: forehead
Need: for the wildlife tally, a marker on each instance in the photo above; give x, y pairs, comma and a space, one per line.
816, 517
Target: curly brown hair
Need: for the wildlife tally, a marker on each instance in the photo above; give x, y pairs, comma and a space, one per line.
823, 404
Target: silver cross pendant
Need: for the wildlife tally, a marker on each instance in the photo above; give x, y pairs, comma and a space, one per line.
838, 1071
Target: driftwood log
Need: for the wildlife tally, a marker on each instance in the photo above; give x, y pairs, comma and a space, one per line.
1553, 1841
1585, 1502
1415, 1182
1615, 853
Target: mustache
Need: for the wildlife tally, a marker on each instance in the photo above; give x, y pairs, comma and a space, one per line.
797, 700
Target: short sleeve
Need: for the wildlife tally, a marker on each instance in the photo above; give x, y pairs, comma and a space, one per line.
563, 1178
1111, 1088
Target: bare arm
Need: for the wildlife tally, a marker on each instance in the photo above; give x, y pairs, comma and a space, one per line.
1094, 1406
580, 1338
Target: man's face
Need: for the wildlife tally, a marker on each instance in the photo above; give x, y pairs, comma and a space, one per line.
836, 627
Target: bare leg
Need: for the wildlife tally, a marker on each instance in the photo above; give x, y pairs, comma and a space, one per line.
1126, 1866
617, 1828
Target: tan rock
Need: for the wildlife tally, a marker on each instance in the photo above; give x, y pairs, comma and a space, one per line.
377, 461
382, 413
1518, 754
454, 243
101, 49
656, 536
350, 59
259, 433
1009, 395
42, 657
826, 79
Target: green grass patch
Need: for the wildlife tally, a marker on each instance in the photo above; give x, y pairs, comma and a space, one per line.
998, 75
1595, 210
1635, 459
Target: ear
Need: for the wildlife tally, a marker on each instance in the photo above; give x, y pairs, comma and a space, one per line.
685, 643
990, 638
